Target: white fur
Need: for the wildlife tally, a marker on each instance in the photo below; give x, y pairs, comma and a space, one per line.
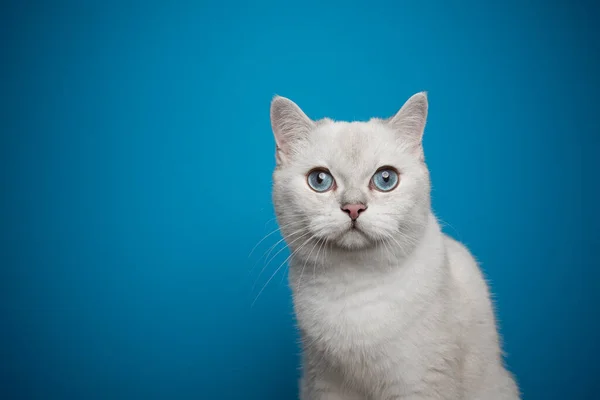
395, 309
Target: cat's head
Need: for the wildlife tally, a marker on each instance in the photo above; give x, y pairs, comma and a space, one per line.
350, 184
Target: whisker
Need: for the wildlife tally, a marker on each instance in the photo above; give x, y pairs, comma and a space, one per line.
305, 261
262, 240
444, 223
287, 215
285, 273
269, 234
268, 252
381, 248
288, 244
395, 241
387, 249
317, 257
278, 268
275, 255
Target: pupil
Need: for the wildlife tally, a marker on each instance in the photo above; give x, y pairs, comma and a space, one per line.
320, 178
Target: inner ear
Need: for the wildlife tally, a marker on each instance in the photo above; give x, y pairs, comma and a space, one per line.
290, 125
409, 121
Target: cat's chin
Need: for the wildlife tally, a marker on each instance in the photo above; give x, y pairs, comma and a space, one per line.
353, 239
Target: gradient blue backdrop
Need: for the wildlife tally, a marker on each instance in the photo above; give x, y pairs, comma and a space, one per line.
135, 162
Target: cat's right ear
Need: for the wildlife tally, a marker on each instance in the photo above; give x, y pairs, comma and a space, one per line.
290, 125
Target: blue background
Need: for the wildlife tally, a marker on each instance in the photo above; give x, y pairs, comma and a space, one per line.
135, 172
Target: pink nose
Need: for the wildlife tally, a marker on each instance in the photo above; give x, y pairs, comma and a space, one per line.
354, 210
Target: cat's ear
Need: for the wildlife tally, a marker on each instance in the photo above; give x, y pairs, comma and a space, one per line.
290, 126
410, 121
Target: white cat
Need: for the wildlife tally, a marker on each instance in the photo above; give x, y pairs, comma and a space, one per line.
388, 306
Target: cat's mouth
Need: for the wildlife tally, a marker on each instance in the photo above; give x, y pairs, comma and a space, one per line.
355, 228
353, 237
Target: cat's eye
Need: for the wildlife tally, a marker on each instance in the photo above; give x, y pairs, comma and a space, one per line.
320, 180
385, 179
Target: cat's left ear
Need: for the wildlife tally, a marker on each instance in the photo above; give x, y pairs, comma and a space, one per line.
410, 121
290, 126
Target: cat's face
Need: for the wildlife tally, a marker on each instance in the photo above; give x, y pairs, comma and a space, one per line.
351, 185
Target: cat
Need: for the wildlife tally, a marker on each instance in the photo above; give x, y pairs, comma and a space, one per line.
388, 307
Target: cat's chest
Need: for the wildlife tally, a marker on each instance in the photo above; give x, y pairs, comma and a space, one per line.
345, 315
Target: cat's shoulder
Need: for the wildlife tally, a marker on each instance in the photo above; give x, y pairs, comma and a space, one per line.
462, 263
457, 251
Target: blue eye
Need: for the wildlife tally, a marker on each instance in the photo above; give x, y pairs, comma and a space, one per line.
320, 181
385, 179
